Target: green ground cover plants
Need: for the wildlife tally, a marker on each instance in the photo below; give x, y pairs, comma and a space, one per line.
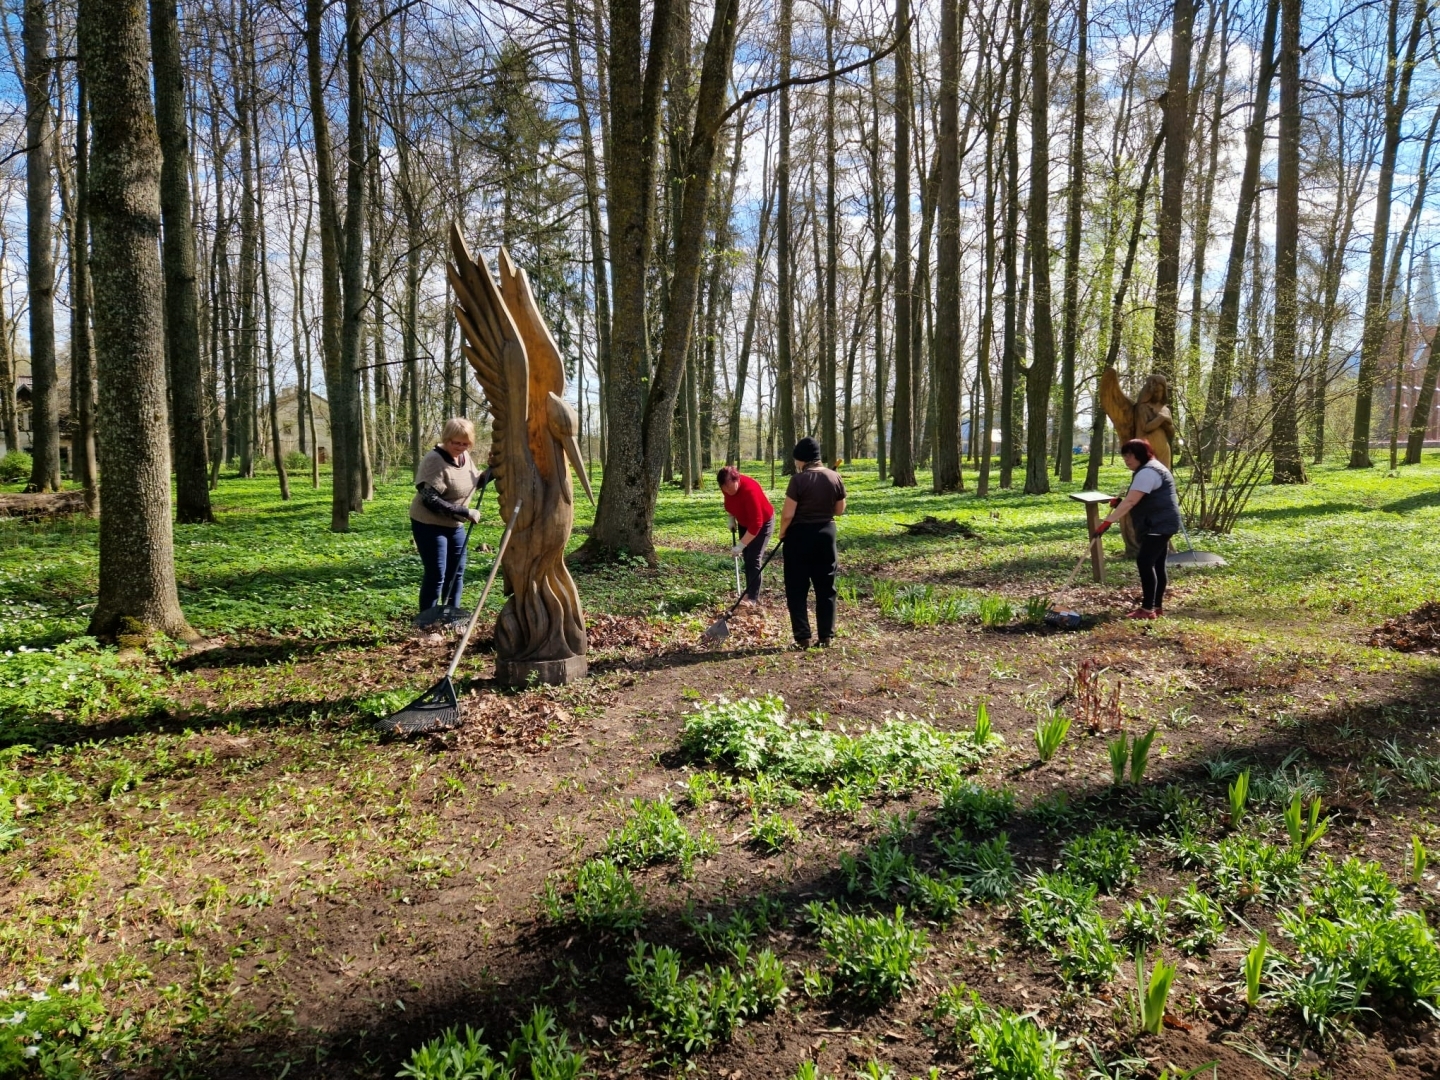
217, 848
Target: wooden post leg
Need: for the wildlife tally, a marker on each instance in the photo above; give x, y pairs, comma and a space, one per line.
1097, 547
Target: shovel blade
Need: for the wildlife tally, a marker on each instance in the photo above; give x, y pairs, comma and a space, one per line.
719, 630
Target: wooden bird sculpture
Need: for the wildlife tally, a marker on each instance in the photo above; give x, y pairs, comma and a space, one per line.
541, 629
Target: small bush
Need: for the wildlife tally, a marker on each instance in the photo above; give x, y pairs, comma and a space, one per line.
297, 463
1003, 1045
654, 834
1052, 905
988, 868
691, 1014
1104, 856
1142, 923
1201, 920
539, 1052
773, 833
1088, 957
966, 804
14, 466
1244, 868
603, 897
873, 957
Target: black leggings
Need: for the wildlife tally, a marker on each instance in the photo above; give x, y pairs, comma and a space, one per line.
811, 559
753, 555
1151, 563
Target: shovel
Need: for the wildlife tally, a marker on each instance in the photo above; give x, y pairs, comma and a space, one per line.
438, 709
719, 630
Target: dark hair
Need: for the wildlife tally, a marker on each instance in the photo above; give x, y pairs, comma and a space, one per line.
728, 474
1139, 449
807, 450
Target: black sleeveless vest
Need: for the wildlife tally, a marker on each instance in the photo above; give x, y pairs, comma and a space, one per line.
1158, 511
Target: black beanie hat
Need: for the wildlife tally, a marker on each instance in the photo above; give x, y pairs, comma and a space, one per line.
807, 450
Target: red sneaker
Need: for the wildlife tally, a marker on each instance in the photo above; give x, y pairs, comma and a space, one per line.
1143, 613
1159, 611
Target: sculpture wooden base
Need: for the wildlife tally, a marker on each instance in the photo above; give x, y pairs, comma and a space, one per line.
550, 672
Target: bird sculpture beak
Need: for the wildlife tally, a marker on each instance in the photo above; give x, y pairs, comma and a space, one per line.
564, 423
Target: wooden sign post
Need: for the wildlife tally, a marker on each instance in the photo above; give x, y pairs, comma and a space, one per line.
1092, 501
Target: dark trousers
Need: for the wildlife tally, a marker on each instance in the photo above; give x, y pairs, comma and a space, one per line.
442, 553
1151, 564
811, 559
753, 554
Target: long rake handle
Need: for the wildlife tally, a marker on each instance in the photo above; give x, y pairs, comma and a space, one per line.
773, 552
485, 593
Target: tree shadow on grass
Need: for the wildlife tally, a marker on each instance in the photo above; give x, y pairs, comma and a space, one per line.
1425, 500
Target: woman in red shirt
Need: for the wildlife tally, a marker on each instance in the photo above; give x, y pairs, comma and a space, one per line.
745, 501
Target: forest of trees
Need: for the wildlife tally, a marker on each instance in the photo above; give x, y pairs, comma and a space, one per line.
898, 229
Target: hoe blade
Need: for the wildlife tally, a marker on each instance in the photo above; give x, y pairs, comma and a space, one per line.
719, 630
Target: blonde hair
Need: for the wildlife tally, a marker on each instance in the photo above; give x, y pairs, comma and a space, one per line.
457, 426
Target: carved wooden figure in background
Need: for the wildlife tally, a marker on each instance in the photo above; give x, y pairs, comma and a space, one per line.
1146, 418
541, 630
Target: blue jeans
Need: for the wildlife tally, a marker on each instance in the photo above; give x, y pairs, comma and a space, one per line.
442, 551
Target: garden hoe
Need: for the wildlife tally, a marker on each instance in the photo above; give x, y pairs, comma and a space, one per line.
446, 615
438, 709
719, 630
735, 539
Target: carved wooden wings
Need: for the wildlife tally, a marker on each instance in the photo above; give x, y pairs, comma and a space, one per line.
1118, 406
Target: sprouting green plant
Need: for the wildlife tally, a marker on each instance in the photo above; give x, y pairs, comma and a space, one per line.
1036, 608
982, 734
1142, 922
1201, 919
994, 611
701, 787
603, 896
653, 834
1053, 904
693, 1013
1140, 756
1119, 749
1239, 794
1104, 856
773, 832
1254, 968
1004, 1045
1152, 993
1050, 733
1304, 832
966, 804
1245, 868
1418, 860
1088, 957
988, 867
873, 956
541, 1051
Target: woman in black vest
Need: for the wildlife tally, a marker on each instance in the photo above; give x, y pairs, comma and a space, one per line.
1156, 509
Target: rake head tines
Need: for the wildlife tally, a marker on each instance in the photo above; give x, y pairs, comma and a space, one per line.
437, 709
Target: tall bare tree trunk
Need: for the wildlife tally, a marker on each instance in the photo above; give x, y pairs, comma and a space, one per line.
947, 475
902, 461
1221, 369
877, 231
1010, 347
829, 428
1041, 373
247, 361
352, 267
1201, 229
40, 251
1285, 425
182, 300
1172, 187
784, 239
82, 339
336, 381
1064, 452
137, 562
1377, 313
747, 339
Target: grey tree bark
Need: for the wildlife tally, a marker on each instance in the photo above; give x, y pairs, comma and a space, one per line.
829, 428
82, 339
1377, 311
182, 299
1041, 372
40, 253
947, 475
1065, 435
1172, 187
902, 457
784, 238
137, 562
1289, 465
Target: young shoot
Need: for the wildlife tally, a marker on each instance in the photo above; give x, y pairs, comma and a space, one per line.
1119, 754
1254, 967
1303, 832
1239, 795
1050, 733
1418, 860
1153, 993
1140, 756
982, 733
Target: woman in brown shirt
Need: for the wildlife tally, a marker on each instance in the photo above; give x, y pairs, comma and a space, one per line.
807, 529
444, 484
